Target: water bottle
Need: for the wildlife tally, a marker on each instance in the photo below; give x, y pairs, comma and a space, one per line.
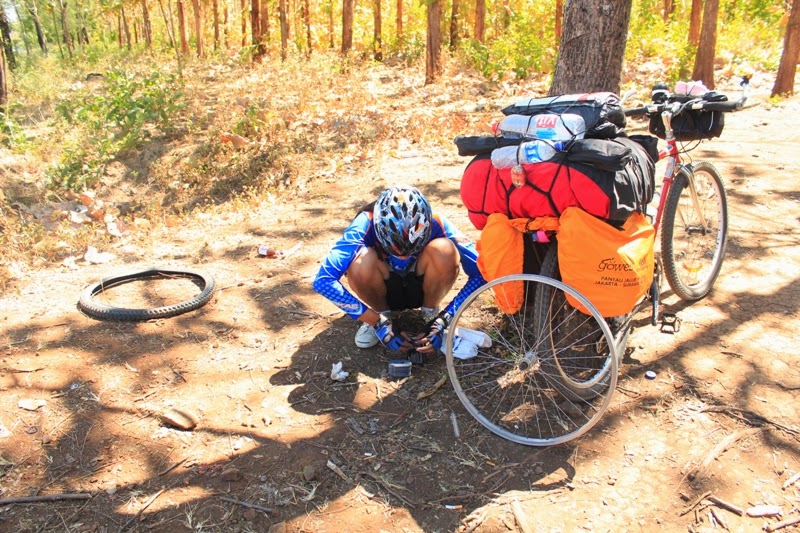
528, 152
563, 127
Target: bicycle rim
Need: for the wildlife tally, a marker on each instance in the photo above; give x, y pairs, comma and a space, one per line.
691, 252
510, 387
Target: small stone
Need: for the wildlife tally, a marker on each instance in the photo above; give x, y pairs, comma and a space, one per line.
231, 474
538, 470
280, 527
249, 515
309, 473
180, 419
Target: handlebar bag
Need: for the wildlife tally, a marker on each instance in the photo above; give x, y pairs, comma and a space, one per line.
612, 267
691, 125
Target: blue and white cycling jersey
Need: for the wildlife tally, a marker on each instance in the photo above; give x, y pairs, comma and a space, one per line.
360, 234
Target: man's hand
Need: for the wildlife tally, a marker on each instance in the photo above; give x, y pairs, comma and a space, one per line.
386, 334
432, 342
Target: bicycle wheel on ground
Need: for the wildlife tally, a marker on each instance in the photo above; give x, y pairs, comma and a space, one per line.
694, 231
89, 299
514, 387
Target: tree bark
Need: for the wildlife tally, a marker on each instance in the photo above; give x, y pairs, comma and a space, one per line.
264, 22
348, 6
215, 12
198, 26
377, 29
5, 36
559, 19
147, 29
399, 21
22, 31
244, 5
695, 18
255, 29
3, 82
167, 24
65, 27
669, 8
480, 20
454, 21
182, 28
307, 21
331, 43
125, 29
58, 37
433, 49
37, 24
283, 15
592, 46
704, 60
787, 68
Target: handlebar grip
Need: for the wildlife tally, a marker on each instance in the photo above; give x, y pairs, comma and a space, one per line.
636, 112
722, 106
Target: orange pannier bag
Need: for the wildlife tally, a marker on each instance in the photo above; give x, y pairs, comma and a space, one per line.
611, 267
501, 252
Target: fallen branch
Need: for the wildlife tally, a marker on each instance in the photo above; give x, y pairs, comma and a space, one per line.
748, 416
791, 481
695, 503
245, 504
336, 470
386, 486
780, 525
717, 450
432, 390
725, 505
138, 515
172, 467
522, 520
46, 498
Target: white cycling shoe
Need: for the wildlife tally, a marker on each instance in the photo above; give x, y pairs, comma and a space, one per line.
366, 337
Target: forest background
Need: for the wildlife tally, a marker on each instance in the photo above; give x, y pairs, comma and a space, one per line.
92, 85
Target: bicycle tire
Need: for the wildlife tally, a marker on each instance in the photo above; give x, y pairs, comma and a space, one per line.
692, 256
100, 311
505, 386
578, 348
620, 326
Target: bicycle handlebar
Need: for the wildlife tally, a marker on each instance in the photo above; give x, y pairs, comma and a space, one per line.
697, 104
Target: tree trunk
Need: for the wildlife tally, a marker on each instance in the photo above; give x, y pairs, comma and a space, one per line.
22, 31
559, 19
378, 27
784, 81
5, 36
58, 37
669, 8
264, 23
399, 21
172, 37
433, 49
704, 60
480, 20
65, 27
3, 83
167, 25
182, 28
695, 18
283, 15
307, 21
592, 46
255, 29
244, 22
37, 24
198, 26
331, 43
126, 32
348, 6
454, 25
147, 29
215, 12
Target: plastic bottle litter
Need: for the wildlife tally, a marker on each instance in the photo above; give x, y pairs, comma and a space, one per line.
563, 127
528, 152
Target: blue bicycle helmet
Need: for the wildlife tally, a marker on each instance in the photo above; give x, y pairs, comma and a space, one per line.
402, 220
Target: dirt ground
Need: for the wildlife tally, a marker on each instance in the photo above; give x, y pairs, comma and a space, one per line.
718, 424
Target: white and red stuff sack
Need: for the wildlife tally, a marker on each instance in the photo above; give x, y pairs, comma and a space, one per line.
602, 112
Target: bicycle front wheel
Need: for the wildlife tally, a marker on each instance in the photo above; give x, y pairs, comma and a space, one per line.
694, 231
513, 387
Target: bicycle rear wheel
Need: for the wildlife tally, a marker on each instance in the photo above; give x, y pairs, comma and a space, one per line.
514, 387
694, 236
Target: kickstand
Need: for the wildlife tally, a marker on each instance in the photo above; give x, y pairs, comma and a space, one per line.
670, 323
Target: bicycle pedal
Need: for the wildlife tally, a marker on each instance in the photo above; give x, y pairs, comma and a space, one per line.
670, 323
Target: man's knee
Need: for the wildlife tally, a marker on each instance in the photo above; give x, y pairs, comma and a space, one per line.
366, 269
440, 258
